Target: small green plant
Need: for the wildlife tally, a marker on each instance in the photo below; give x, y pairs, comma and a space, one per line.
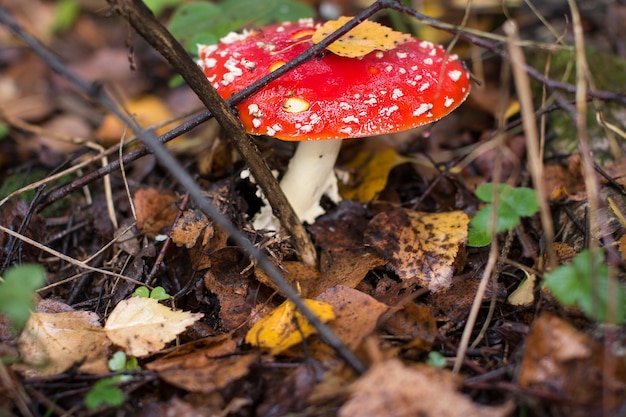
584, 283
158, 293
105, 391
205, 23
17, 292
513, 204
436, 359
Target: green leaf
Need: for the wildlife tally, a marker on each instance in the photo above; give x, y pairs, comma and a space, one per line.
158, 6
201, 22
117, 363
17, 291
142, 292
584, 283
159, 293
192, 18
105, 392
436, 359
66, 13
523, 200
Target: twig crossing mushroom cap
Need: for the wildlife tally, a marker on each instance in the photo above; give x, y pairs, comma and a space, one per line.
334, 97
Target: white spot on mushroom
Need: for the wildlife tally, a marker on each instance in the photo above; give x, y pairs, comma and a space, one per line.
271, 131
427, 45
388, 68
247, 64
414, 68
306, 22
387, 111
433, 52
206, 49
349, 119
423, 108
345, 106
256, 122
417, 77
397, 93
295, 105
234, 36
428, 61
448, 101
402, 55
379, 54
424, 86
253, 110
455, 75
280, 29
233, 71
347, 130
371, 101
209, 62
212, 78
357, 96
402, 71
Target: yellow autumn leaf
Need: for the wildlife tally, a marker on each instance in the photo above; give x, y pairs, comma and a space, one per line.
368, 36
369, 174
420, 247
285, 326
53, 342
143, 326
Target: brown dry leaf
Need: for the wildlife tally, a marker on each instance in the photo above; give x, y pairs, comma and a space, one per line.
194, 231
143, 326
369, 173
52, 342
146, 110
563, 361
356, 317
416, 321
203, 366
285, 326
392, 389
228, 280
302, 276
156, 210
420, 247
368, 36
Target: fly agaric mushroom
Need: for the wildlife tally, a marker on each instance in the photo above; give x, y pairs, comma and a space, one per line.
330, 98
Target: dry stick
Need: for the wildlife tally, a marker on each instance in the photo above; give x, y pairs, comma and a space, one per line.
187, 182
535, 163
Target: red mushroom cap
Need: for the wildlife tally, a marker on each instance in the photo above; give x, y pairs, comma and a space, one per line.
334, 97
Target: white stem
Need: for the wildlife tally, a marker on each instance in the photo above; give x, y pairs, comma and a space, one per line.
310, 175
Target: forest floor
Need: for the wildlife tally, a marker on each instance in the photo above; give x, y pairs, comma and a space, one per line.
143, 305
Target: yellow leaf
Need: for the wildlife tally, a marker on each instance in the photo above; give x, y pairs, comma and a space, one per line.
285, 326
368, 36
52, 342
143, 326
369, 174
421, 247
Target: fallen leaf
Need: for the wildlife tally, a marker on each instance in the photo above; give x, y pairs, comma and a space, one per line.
146, 111
368, 36
143, 326
53, 342
392, 389
357, 316
198, 234
285, 326
564, 361
155, 210
415, 321
368, 174
421, 247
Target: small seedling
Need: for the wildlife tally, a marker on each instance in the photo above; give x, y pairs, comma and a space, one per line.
436, 359
157, 293
105, 391
513, 204
17, 292
585, 284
